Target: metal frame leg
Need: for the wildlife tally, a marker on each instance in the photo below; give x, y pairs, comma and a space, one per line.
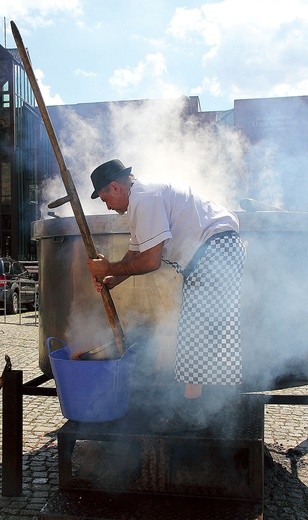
66, 443
12, 433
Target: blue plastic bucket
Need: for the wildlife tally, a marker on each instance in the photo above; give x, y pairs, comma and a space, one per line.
91, 391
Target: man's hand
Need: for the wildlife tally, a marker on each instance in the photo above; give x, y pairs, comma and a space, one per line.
109, 281
98, 267
132, 264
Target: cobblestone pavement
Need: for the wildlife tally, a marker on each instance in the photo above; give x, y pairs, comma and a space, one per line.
286, 461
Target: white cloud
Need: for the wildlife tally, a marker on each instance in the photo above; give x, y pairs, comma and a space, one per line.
156, 63
49, 98
123, 78
210, 20
153, 66
246, 47
36, 13
211, 85
84, 73
149, 76
24, 7
188, 22
284, 89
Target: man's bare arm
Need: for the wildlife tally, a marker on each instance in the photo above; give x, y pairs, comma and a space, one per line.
132, 264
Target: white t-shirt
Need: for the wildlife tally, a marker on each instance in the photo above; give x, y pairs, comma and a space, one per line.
179, 218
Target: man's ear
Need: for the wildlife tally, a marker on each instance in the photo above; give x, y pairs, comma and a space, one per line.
114, 187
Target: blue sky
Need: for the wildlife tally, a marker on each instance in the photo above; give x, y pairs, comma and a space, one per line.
87, 51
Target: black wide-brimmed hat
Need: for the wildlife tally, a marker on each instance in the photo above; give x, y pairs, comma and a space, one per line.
107, 172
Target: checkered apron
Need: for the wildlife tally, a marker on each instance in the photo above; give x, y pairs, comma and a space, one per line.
209, 340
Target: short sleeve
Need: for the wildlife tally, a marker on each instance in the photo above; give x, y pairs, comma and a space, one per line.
149, 223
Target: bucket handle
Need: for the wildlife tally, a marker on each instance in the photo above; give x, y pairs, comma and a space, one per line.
49, 340
132, 347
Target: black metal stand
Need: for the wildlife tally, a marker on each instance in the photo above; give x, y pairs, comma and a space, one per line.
12, 434
12, 426
288, 399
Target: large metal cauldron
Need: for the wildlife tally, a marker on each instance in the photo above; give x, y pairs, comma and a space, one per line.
72, 310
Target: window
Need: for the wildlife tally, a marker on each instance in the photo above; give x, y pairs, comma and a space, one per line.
23, 90
5, 96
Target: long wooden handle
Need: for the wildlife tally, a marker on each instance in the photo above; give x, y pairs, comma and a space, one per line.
70, 189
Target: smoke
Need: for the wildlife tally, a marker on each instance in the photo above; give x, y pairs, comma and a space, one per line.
164, 145
265, 184
160, 142
82, 144
163, 142
277, 175
277, 160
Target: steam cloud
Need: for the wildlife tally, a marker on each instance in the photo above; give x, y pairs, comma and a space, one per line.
162, 145
154, 138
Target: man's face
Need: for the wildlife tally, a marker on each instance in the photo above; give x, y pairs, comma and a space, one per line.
115, 197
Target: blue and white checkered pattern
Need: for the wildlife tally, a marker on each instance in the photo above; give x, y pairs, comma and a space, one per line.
209, 337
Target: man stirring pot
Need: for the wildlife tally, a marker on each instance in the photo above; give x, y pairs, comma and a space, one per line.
200, 239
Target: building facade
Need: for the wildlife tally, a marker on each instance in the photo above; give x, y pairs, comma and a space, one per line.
25, 157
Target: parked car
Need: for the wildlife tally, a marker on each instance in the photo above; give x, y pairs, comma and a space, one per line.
17, 286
